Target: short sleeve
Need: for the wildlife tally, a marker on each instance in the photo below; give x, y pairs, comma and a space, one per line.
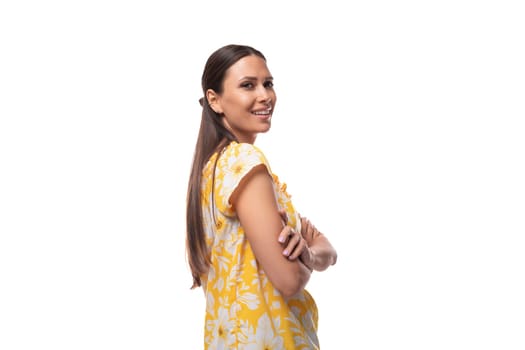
237, 160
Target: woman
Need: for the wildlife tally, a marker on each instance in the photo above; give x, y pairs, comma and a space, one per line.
247, 246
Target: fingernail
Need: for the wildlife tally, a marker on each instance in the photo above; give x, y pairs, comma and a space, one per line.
285, 252
281, 239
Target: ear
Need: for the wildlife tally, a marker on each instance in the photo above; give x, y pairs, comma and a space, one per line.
213, 101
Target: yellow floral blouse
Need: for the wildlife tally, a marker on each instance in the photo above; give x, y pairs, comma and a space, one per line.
243, 309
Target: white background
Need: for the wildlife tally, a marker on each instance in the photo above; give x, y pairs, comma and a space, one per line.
399, 131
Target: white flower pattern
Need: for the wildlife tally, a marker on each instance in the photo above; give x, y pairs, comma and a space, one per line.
243, 309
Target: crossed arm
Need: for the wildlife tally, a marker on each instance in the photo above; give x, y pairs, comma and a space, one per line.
286, 256
256, 206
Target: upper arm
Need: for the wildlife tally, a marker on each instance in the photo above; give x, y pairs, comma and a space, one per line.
256, 206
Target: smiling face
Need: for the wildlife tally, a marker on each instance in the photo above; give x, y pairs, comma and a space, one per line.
248, 98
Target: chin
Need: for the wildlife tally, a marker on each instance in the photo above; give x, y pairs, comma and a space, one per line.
266, 126
265, 130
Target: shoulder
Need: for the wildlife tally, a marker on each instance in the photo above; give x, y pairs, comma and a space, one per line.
242, 149
236, 154
235, 167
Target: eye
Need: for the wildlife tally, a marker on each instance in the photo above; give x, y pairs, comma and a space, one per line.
268, 84
247, 85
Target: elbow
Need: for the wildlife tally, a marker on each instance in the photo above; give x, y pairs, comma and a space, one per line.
294, 284
334, 257
289, 292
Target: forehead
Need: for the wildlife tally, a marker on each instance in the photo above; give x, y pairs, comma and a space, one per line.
249, 66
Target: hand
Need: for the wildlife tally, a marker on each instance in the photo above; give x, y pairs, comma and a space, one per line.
308, 230
308, 258
309, 233
320, 253
294, 243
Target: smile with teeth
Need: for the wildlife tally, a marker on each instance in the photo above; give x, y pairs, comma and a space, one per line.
264, 112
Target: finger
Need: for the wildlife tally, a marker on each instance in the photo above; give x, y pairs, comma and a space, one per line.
303, 221
298, 249
293, 242
285, 233
308, 230
307, 224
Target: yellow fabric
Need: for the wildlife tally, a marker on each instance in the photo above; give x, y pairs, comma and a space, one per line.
243, 309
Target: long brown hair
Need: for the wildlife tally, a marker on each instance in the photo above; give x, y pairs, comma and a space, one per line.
212, 136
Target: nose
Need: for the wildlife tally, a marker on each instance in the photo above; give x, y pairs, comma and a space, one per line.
264, 96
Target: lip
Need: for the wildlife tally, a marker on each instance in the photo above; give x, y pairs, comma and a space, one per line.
267, 115
265, 109
262, 116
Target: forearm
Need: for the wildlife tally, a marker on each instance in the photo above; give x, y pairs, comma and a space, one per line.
323, 253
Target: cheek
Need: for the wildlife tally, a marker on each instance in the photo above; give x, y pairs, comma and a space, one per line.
242, 101
239, 97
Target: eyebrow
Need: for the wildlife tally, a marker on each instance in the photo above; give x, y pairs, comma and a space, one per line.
254, 78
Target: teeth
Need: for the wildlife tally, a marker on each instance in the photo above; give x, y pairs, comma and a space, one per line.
263, 112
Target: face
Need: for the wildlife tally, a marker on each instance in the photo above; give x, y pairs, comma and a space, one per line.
248, 99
